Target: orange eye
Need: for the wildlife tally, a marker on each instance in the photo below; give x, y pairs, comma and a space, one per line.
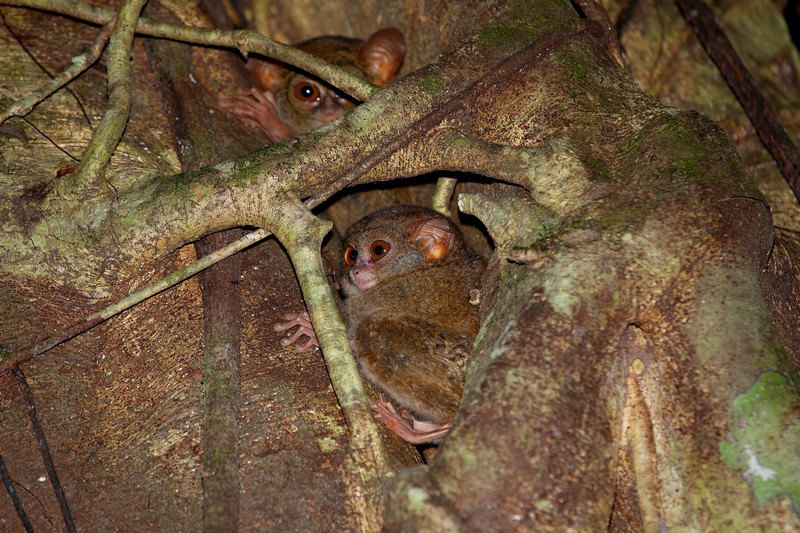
306, 91
350, 256
378, 249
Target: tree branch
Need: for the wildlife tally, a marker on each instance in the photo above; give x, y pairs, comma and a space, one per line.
91, 171
79, 64
222, 318
245, 41
301, 233
739, 79
182, 87
443, 194
552, 173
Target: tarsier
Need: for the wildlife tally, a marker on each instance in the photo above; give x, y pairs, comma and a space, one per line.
409, 273
290, 102
408, 280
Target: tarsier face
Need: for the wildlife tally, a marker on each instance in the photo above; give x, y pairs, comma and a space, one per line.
291, 102
316, 103
395, 242
364, 262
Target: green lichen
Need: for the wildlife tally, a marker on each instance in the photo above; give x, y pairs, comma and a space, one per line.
369, 114
646, 248
547, 16
596, 168
464, 459
765, 432
327, 445
500, 33
579, 67
549, 233
330, 425
431, 83
565, 290
417, 499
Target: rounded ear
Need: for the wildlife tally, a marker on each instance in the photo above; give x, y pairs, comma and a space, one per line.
433, 237
267, 73
382, 54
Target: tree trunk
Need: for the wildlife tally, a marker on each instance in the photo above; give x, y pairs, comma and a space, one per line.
637, 362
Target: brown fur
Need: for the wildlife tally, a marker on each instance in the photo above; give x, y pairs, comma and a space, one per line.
412, 332
281, 114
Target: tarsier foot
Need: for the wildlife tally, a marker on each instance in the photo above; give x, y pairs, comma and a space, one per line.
304, 327
407, 427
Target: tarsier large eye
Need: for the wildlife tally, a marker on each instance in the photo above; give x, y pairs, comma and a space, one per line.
378, 249
306, 91
350, 256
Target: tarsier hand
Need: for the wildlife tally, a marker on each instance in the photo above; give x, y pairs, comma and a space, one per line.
259, 107
304, 327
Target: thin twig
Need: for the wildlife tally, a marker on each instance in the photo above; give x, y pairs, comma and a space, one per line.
245, 41
131, 300
44, 450
108, 134
739, 79
44, 69
12, 493
79, 64
45, 136
443, 194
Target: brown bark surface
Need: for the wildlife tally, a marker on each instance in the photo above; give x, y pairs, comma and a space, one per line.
634, 312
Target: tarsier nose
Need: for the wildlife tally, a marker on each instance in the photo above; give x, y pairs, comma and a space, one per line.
330, 111
332, 115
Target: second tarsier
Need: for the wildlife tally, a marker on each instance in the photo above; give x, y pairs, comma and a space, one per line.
289, 102
408, 281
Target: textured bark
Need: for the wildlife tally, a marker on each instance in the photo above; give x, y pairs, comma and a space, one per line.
219, 285
632, 365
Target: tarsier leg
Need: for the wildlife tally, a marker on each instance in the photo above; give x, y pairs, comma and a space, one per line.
406, 427
304, 327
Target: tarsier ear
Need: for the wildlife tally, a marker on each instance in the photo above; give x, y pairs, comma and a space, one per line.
382, 55
432, 237
268, 74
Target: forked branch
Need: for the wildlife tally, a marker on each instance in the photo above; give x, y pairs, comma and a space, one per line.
243, 40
